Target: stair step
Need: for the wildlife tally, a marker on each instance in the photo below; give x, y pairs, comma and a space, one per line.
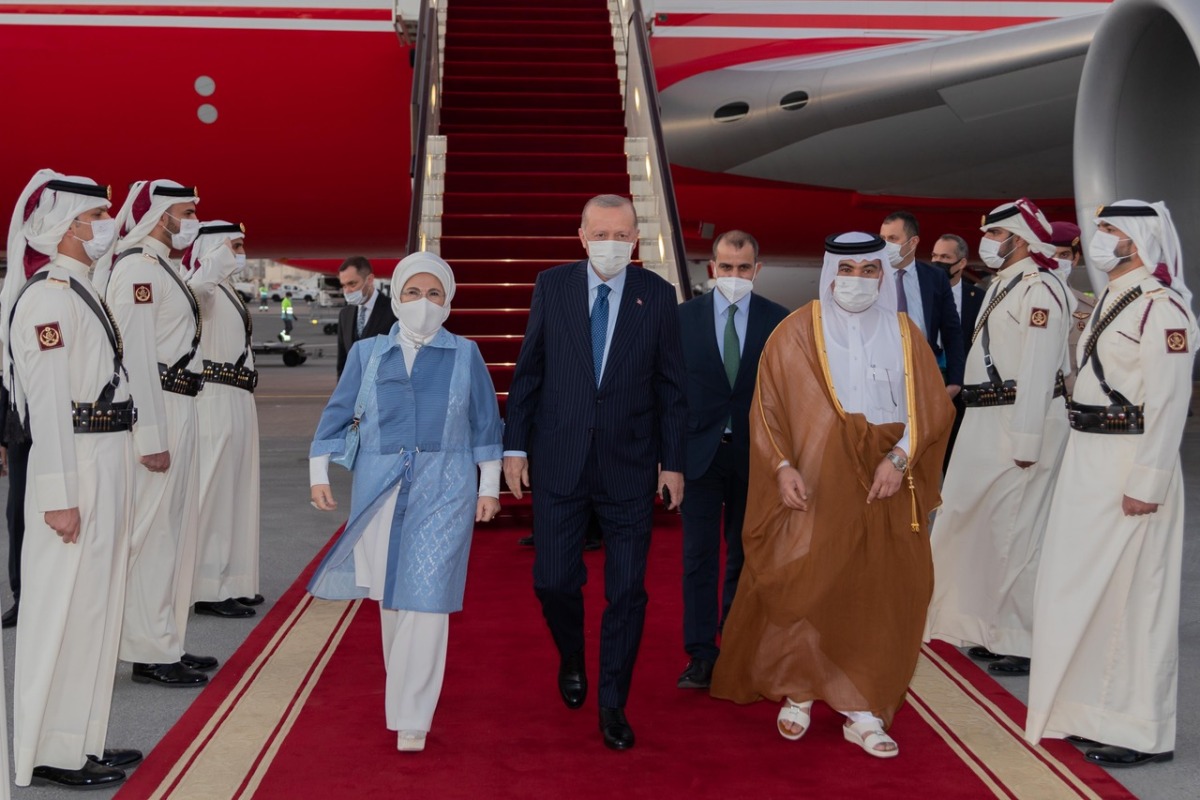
528, 55
535, 162
501, 376
490, 323
505, 68
506, 13
531, 116
493, 295
512, 101
517, 271
553, 130
533, 85
540, 203
530, 4
531, 43
517, 26
563, 248
509, 224
492, 183
459, 143
499, 349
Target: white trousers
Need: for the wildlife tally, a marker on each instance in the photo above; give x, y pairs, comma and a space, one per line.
414, 653
162, 557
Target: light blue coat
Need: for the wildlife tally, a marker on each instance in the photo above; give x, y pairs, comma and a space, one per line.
427, 431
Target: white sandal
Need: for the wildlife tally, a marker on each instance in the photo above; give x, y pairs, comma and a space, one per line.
794, 714
869, 735
410, 741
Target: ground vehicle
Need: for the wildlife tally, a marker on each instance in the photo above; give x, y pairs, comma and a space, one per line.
299, 292
247, 290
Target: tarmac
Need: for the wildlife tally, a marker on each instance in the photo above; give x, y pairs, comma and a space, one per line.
290, 400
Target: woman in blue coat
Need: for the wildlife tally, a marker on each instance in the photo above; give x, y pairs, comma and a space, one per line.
427, 417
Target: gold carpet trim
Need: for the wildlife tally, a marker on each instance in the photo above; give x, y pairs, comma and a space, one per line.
269, 695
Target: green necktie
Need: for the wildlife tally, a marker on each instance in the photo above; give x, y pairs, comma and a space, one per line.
733, 356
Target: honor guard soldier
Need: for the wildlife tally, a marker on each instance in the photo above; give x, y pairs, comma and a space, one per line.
68, 382
226, 578
160, 319
1069, 255
987, 535
1106, 609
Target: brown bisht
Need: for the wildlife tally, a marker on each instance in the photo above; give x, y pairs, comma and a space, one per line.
832, 601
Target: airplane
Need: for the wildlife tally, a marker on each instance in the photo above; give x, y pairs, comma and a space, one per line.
790, 118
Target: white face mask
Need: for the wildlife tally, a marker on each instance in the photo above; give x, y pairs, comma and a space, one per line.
1064, 268
421, 318
188, 230
104, 233
354, 298
1102, 251
895, 253
240, 258
609, 257
989, 251
733, 288
855, 294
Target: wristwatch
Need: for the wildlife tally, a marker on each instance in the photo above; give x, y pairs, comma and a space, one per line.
899, 462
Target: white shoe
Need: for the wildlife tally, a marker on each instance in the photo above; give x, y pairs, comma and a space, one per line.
869, 735
794, 714
410, 741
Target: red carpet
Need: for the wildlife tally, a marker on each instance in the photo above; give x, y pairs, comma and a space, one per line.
501, 730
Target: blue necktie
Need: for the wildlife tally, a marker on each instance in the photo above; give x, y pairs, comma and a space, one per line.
599, 328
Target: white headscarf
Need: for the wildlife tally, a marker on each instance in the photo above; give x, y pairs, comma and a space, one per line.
416, 264
211, 239
1156, 239
39, 222
1028, 222
142, 210
866, 247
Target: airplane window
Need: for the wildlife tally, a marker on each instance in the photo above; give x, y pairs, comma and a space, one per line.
731, 112
794, 101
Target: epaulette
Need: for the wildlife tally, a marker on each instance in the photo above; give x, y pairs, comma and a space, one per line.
58, 283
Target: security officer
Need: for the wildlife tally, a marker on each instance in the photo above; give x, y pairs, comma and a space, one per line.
1069, 255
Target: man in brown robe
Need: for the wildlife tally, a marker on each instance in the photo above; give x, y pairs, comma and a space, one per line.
838, 573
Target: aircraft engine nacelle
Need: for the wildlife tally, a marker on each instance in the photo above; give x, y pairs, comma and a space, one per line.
1137, 121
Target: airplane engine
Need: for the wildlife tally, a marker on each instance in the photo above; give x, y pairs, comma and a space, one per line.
1137, 121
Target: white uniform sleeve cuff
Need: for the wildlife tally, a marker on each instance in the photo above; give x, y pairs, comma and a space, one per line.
1026, 446
489, 479
1148, 484
318, 470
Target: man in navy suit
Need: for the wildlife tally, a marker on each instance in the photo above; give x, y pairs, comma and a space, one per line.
364, 316
950, 254
925, 296
597, 417
723, 336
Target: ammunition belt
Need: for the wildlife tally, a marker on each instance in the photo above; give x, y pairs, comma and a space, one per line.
180, 381
978, 395
100, 417
1107, 419
230, 375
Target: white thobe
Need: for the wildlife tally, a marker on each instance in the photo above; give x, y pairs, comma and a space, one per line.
987, 536
227, 460
73, 593
153, 312
1106, 612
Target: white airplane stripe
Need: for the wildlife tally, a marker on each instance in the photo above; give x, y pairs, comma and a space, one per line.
852, 8
723, 32
227, 23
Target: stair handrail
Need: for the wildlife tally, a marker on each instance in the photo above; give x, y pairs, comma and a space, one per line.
637, 47
425, 106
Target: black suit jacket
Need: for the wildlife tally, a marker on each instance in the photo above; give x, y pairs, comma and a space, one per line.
941, 317
972, 304
379, 323
637, 416
711, 400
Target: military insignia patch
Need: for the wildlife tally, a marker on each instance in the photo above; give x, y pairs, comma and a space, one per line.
1081, 325
1177, 340
1039, 317
143, 293
49, 336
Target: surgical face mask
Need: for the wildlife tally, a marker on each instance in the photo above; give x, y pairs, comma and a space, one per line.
895, 252
855, 294
734, 289
1102, 251
240, 258
989, 251
421, 318
188, 229
354, 298
609, 257
104, 233
1064, 268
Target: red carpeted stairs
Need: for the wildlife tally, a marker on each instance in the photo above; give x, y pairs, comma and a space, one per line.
531, 108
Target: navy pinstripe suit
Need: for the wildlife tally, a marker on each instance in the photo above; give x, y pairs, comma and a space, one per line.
596, 450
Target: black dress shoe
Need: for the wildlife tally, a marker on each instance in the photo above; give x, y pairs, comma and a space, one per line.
257, 600
228, 608
1010, 665
176, 676
1084, 740
90, 776
591, 544
526, 541
1109, 755
202, 663
983, 654
9, 618
697, 675
617, 733
118, 757
572, 680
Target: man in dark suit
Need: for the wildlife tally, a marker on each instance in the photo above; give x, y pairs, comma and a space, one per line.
950, 254
598, 405
925, 296
723, 336
363, 317
15, 445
